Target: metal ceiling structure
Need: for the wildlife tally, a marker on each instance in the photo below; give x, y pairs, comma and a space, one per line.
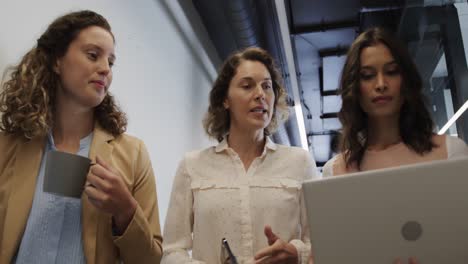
322, 31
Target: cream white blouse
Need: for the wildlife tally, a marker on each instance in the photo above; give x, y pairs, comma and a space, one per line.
448, 147
213, 197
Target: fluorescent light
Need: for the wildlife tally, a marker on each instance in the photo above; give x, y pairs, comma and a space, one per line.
454, 118
286, 38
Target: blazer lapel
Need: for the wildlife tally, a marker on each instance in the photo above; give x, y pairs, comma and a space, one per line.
28, 160
101, 147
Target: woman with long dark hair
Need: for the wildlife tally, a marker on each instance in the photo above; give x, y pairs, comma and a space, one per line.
384, 115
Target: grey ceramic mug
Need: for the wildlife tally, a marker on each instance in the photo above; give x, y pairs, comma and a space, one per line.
65, 173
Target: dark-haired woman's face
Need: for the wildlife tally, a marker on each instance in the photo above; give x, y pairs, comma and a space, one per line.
86, 68
250, 99
380, 82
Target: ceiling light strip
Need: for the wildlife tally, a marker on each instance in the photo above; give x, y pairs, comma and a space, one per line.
454, 118
286, 37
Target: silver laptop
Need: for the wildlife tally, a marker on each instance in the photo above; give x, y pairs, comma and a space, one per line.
376, 216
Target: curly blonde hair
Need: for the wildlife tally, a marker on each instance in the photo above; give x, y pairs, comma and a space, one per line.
27, 100
217, 120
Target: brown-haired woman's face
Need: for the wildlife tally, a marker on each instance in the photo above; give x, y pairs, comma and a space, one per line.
250, 98
380, 82
86, 68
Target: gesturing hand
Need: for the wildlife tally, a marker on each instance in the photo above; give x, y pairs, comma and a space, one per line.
278, 250
107, 191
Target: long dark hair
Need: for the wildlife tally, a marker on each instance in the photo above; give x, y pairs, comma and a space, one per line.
416, 126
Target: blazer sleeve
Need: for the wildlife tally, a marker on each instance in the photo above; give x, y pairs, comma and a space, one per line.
179, 221
142, 240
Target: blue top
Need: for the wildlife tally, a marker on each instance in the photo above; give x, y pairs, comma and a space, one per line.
53, 230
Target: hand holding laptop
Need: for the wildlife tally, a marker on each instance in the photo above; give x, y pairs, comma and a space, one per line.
278, 250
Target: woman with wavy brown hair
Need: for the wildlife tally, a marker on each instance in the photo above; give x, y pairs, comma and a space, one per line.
246, 189
384, 116
57, 99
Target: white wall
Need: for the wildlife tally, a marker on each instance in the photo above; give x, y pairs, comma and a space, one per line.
161, 76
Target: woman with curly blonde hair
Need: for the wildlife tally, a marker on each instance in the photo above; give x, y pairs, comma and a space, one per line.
246, 189
57, 99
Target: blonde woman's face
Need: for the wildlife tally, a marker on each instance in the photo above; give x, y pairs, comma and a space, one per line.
380, 82
250, 98
86, 68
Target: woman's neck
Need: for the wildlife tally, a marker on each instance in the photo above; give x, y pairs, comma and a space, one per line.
383, 133
247, 144
70, 126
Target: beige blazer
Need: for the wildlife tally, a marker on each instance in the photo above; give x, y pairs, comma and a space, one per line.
140, 243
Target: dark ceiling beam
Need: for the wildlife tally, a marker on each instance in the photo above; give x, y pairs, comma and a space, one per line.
382, 3
329, 92
329, 115
325, 26
336, 51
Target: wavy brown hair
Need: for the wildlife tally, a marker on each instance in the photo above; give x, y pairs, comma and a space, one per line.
27, 101
217, 120
416, 126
